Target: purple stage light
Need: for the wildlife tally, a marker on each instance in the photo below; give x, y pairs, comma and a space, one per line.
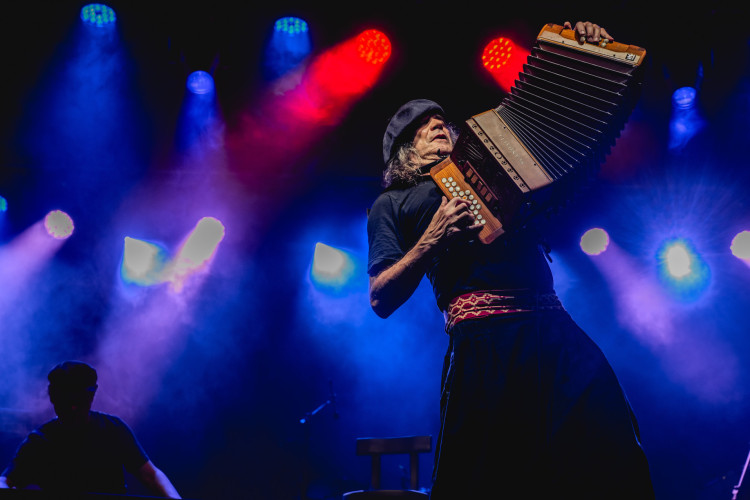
197, 251
202, 243
58, 224
594, 241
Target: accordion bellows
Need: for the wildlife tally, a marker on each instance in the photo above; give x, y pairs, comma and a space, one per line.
549, 136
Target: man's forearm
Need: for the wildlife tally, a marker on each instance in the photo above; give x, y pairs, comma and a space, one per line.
156, 481
394, 285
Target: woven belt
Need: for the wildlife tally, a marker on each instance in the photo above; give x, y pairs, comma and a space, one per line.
480, 304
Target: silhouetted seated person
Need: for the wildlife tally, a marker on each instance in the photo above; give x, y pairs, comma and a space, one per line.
81, 450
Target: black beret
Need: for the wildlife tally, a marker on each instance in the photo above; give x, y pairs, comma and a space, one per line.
404, 121
72, 376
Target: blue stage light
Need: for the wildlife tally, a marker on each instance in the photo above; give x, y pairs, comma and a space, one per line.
682, 269
291, 26
97, 14
685, 121
288, 46
684, 98
741, 246
594, 241
678, 260
331, 266
200, 82
142, 262
3, 204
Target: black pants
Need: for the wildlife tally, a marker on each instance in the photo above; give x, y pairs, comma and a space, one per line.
531, 408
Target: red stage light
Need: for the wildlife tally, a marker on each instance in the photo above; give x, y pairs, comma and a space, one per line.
497, 53
504, 60
373, 46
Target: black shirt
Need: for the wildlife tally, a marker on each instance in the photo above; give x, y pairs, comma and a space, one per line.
399, 217
92, 458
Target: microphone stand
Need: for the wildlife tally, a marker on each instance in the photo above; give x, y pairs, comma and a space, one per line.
736, 489
305, 421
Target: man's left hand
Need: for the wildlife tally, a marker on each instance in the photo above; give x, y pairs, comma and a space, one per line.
589, 32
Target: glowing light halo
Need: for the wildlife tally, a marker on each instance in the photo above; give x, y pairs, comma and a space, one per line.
682, 269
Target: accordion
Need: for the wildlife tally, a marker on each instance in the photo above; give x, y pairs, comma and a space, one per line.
549, 136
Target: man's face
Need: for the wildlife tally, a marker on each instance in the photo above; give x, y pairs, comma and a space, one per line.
72, 406
432, 139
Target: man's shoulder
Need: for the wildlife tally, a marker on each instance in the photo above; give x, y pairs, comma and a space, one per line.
49, 426
397, 193
101, 419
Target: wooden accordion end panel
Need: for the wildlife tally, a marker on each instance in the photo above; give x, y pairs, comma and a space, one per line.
549, 136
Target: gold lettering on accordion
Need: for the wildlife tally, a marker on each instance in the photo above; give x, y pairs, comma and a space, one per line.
513, 156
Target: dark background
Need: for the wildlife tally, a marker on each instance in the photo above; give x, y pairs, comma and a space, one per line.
214, 381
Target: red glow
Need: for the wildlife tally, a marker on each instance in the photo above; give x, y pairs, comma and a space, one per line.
504, 60
374, 47
287, 122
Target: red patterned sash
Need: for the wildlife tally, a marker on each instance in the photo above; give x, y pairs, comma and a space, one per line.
479, 304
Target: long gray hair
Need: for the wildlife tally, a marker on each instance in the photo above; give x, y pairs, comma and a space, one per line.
404, 167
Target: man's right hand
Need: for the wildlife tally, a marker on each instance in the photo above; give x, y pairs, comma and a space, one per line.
394, 285
452, 220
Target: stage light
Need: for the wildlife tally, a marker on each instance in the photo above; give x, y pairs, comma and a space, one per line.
58, 224
497, 53
682, 269
684, 98
373, 46
504, 60
685, 121
196, 252
594, 241
740, 246
200, 82
97, 14
3, 204
331, 266
202, 242
291, 26
142, 262
678, 260
289, 45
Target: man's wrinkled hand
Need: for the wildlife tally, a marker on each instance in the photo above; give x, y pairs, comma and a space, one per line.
589, 32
